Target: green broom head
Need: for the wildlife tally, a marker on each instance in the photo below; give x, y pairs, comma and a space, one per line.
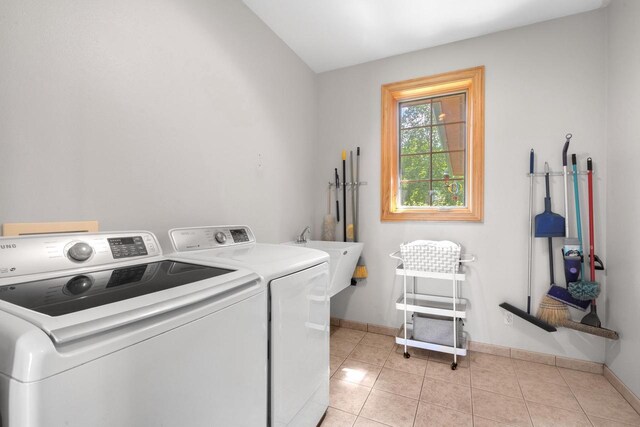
584, 290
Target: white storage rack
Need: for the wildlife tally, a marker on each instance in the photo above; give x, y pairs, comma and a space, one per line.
453, 307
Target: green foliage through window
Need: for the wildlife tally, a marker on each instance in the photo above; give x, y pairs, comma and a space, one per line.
433, 151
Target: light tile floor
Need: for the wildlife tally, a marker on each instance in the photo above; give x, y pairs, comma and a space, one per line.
372, 384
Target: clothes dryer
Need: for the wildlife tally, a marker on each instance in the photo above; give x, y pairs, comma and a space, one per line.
298, 313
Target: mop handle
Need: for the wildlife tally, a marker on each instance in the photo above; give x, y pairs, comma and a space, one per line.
576, 193
591, 220
344, 195
356, 224
566, 199
529, 266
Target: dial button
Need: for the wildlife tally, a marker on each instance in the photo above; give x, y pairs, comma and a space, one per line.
81, 251
220, 237
78, 285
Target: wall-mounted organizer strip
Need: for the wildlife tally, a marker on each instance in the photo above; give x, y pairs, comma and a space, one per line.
569, 173
348, 184
432, 330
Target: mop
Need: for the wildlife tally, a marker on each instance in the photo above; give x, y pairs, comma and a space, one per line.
560, 293
329, 221
583, 287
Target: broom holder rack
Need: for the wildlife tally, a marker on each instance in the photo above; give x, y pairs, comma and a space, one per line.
570, 173
348, 184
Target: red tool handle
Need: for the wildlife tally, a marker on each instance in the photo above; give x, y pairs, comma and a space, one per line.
592, 264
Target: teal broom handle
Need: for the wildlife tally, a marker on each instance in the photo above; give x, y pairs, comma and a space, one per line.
576, 192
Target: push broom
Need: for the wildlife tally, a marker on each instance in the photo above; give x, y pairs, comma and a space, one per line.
526, 315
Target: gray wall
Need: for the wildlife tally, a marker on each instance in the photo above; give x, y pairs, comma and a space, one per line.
542, 81
623, 151
151, 115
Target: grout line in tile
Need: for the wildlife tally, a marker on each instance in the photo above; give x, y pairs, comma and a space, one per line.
471, 394
525, 400
575, 397
365, 402
415, 413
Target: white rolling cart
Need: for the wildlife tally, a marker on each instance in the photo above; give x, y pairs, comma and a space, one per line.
432, 260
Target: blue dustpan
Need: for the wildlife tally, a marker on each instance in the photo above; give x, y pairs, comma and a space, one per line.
549, 224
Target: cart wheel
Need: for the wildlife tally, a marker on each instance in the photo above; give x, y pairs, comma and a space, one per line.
454, 365
407, 355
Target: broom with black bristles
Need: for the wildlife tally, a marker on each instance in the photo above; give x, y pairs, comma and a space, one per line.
549, 225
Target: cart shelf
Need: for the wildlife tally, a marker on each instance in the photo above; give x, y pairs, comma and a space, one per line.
460, 350
400, 271
434, 304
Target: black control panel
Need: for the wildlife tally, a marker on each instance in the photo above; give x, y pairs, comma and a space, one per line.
125, 247
239, 235
124, 276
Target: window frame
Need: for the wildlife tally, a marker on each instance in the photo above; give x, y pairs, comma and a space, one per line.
470, 81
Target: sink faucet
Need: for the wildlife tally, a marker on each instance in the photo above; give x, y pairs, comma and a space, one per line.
302, 238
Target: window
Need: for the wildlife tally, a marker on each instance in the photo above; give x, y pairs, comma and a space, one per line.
433, 148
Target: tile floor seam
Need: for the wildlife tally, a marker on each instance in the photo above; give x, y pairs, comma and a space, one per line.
421, 385
448, 407
552, 406
503, 396
523, 398
617, 393
365, 402
526, 403
415, 412
415, 416
365, 418
471, 394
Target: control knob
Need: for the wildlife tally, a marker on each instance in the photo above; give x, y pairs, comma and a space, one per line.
80, 251
77, 285
220, 237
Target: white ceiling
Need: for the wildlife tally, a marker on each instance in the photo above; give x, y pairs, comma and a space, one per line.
331, 34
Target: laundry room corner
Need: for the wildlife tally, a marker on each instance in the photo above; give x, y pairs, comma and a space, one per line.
551, 66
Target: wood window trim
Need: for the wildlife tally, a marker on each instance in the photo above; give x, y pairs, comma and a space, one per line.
471, 81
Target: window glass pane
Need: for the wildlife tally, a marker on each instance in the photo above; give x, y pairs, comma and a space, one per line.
415, 115
414, 194
415, 167
448, 193
449, 109
449, 137
433, 151
447, 165
415, 140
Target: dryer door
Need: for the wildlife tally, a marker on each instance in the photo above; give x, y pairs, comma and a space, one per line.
300, 347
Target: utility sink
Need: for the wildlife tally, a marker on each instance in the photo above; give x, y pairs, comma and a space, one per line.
343, 258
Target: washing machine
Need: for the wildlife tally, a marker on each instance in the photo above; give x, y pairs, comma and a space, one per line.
298, 314
103, 330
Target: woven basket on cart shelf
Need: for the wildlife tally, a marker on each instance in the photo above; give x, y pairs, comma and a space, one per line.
431, 255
